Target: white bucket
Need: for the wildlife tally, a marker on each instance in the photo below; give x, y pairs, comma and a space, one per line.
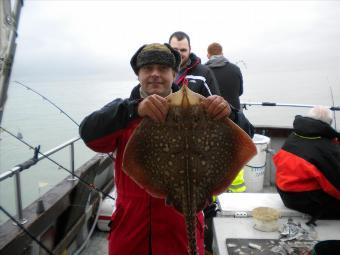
107, 207
255, 168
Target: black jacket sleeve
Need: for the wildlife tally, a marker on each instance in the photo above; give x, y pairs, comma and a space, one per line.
241, 120
212, 83
102, 125
241, 82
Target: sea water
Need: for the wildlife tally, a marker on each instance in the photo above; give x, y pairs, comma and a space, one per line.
42, 124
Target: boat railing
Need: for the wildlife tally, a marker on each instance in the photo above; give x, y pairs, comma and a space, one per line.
15, 171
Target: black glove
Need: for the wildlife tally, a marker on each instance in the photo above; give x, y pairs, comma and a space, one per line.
211, 210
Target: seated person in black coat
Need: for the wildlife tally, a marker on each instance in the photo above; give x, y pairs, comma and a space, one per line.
308, 166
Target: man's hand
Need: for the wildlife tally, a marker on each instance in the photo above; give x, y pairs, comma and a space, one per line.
155, 107
217, 107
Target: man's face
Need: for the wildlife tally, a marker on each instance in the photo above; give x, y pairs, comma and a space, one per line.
156, 79
182, 47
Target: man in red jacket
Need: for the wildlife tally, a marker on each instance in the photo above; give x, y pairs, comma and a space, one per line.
142, 224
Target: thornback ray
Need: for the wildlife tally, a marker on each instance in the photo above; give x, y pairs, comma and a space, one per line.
188, 158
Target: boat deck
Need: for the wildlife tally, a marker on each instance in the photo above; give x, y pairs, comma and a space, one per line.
97, 244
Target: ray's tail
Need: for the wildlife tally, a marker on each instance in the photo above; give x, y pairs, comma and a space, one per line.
189, 211
190, 219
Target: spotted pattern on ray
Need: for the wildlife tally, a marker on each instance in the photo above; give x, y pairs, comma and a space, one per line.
191, 142
186, 159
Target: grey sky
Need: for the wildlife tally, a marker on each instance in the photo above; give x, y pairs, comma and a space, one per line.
96, 39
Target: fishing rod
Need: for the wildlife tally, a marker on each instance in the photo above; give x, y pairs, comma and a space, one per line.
242, 62
245, 104
27, 164
25, 230
68, 116
91, 186
54, 105
48, 100
334, 116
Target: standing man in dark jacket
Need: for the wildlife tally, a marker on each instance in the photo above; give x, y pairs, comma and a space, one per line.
142, 224
228, 75
229, 80
308, 166
200, 78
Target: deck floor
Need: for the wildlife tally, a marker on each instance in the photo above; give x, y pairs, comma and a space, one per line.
97, 244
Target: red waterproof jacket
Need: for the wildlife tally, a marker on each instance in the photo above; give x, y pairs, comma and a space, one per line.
141, 224
309, 160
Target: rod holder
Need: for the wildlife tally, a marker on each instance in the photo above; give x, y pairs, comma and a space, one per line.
40, 206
